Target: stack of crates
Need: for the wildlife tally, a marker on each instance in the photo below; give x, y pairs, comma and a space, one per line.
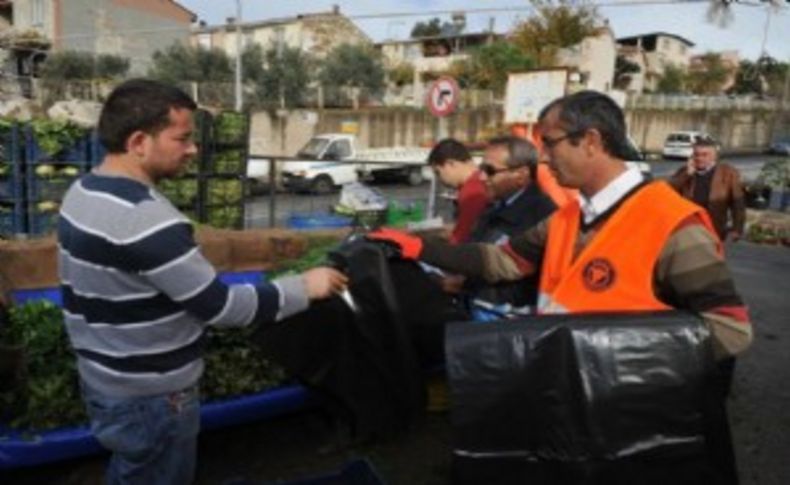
49, 172
224, 173
12, 187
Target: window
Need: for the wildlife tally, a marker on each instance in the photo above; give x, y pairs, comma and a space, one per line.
37, 13
339, 150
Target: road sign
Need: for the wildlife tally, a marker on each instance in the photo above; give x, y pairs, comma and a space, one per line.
443, 96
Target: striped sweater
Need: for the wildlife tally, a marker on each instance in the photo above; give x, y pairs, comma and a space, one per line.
138, 294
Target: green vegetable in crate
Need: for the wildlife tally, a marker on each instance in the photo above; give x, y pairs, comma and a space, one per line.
45, 171
49, 394
69, 171
225, 217
230, 127
4, 168
228, 161
224, 191
53, 136
47, 206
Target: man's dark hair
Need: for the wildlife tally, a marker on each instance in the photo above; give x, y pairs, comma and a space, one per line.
138, 105
705, 142
588, 110
448, 149
521, 153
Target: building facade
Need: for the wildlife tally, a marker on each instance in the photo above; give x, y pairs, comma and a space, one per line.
592, 60
130, 28
655, 51
315, 34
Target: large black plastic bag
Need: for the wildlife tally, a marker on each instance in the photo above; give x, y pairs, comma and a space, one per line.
368, 366
586, 399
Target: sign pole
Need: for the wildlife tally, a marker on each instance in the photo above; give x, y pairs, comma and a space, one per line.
442, 134
441, 100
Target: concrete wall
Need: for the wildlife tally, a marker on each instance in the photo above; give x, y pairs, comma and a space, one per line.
384, 127
735, 130
379, 127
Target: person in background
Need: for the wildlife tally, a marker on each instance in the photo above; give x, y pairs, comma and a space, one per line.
138, 295
452, 163
715, 186
508, 172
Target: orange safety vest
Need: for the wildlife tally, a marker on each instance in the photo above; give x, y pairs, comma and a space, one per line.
614, 271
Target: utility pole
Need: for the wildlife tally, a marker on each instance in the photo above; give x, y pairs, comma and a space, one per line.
239, 101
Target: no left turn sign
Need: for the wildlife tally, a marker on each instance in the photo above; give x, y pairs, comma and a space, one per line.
443, 95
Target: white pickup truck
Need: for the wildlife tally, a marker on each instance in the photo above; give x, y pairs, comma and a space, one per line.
332, 159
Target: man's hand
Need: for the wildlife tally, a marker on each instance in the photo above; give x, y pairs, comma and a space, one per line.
410, 246
324, 282
690, 168
452, 284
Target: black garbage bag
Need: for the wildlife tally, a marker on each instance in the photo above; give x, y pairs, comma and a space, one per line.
587, 399
368, 365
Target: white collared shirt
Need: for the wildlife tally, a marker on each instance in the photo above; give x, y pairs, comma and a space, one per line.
599, 203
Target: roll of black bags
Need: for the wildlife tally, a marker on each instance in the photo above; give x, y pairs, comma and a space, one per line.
587, 399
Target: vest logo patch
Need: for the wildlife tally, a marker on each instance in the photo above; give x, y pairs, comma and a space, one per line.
598, 274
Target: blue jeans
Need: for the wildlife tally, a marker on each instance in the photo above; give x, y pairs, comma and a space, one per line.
153, 439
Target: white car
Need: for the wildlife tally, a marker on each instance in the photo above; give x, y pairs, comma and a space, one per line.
680, 144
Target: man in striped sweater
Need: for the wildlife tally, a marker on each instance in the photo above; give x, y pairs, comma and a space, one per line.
138, 294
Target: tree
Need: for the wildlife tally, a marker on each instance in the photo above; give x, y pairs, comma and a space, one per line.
179, 63
83, 66
252, 61
110, 66
435, 27
708, 76
352, 68
553, 28
284, 77
775, 74
623, 70
488, 66
401, 74
748, 79
673, 80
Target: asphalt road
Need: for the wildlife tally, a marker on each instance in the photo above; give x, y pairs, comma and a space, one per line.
288, 204
295, 446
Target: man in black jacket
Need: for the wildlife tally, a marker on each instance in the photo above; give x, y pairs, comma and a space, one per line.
518, 204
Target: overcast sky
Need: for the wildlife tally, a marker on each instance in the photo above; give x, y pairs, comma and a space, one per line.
745, 33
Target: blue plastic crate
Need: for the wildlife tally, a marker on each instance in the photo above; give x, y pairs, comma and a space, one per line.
49, 188
97, 150
11, 219
318, 221
40, 222
11, 185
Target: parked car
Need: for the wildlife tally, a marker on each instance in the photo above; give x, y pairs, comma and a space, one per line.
680, 144
780, 147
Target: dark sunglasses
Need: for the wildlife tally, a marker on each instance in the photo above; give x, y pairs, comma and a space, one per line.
491, 170
552, 142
